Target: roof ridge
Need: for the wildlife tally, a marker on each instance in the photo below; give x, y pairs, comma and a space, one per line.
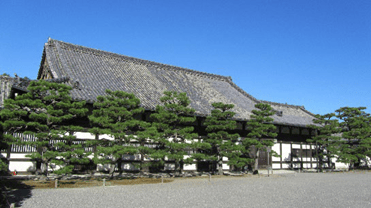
282, 104
241, 90
138, 60
288, 105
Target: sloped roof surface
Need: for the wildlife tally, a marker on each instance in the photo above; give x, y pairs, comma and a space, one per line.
93, 71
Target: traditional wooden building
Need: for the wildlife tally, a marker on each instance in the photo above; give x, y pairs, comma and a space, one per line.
90, 72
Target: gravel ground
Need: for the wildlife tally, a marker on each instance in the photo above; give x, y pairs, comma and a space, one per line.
289, 190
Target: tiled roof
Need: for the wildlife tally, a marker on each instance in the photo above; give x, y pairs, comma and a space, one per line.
8, 83
93, 71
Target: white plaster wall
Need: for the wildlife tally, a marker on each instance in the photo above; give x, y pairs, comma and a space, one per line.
84, 135
225, 166
129, 166
306, 165
190, 167
339, 165
23, 166
89, 136
19, 155
276, 166
188, 141
285, 166
275, 159
286, 152
106, 136
285, 155
296, 146
276, 148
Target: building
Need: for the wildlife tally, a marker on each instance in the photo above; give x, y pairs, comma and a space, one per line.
90, 72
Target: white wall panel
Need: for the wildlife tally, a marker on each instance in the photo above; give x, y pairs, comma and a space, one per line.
19, 155
285, 166
276, 166
23, 166
129, 167
225, 166
190, 167
296, 146
286, 152
84, 135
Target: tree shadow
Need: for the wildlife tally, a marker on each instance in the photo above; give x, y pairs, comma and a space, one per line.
13, 191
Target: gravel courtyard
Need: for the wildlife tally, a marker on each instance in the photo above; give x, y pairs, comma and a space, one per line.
287, 190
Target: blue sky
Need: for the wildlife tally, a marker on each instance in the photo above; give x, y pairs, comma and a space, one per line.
313, 53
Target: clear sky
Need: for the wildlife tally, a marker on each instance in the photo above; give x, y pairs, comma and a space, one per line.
314, 53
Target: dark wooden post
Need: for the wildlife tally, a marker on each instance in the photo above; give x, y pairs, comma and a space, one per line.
311, 155
291, 157
329, 160
281, 154
301, 156
317, 156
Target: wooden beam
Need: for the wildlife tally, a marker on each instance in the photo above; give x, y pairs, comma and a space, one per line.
291, 158
281, 154
301, 155
311, 156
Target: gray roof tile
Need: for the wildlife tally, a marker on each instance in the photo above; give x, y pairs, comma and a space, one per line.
97, 70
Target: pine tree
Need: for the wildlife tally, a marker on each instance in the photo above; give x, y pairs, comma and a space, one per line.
356, 131
145, 135
3, 146
260, 126
41, 112
365, 143
222, 142
96, 129
11, 122
173, 120
327, 140
68, 152
115, 115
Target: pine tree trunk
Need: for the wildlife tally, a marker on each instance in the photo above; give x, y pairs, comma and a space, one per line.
176, 167
220, 165
39, 160
95, 151
112, 169
119, 164
256, 165
38, 166
181, 163
46, 168
141, 162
